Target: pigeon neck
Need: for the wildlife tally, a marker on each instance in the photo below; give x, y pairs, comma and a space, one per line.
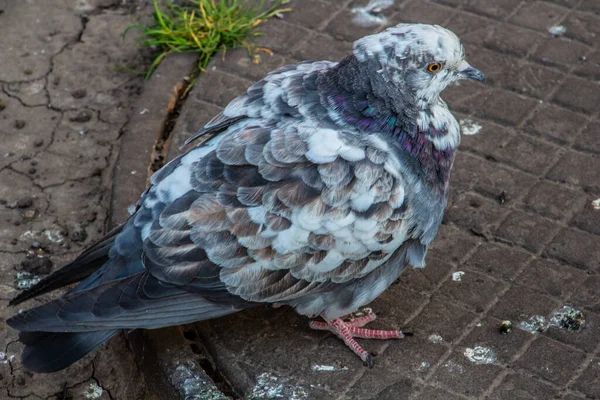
432, 162
356, 94
428, 136
360, 94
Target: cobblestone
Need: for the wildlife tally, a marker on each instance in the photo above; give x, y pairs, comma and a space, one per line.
522, 386
556, 123
550, 360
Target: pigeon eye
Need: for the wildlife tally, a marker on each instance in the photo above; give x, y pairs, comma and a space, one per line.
434, 67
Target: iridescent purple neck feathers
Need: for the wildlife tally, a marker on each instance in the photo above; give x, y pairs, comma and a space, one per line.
348, 92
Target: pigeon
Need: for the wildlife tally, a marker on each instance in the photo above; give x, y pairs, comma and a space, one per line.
314, 189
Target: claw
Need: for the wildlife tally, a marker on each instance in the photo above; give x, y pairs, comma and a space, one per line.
368, 360
347, 331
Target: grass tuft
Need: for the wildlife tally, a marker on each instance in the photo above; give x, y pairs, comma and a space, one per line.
205, 27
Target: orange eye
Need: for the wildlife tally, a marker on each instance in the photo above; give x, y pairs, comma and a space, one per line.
434, 67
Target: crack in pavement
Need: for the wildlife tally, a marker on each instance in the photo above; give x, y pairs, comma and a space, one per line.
110, 396
6, 88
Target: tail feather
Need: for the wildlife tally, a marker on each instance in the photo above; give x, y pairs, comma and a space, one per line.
88, 262
119, 304
47, 352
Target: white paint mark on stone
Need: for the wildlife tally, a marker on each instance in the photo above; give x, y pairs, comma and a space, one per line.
480, 355
144, 111
83, 6
93, 391
327, 368
370, 15
5, 358
424, 366
534, 324
457, 276
435, 338
269, 386
453, 367
596, 204
469, 127
35, 87
192, 385
566, 317
54, 236
25, 280
557, 30
131, 209
28, 235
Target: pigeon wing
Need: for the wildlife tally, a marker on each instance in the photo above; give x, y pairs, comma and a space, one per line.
272, 214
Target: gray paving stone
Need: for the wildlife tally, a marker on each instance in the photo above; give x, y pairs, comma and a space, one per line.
578, 94
529, 230
551, 361
589, 382
587, 141
552, 278
578, 169
552, 200
557, 123
562, 53
498, 260
522, 386
576, 247
538, 15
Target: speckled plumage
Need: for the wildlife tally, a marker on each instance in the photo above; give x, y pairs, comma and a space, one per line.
315, 189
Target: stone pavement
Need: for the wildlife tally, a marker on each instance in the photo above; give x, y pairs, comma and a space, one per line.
63, 107
520, 239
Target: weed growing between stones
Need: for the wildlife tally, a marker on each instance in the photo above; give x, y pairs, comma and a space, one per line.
205, 27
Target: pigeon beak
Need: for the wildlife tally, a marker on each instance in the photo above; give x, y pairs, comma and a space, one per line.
468, 72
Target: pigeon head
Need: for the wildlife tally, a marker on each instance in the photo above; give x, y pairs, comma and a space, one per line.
416, 60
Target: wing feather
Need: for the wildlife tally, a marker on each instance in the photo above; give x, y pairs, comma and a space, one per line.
320, 224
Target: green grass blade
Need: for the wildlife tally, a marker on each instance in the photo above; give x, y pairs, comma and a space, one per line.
204, 27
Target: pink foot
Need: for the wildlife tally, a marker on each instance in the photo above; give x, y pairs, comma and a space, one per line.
347, 331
